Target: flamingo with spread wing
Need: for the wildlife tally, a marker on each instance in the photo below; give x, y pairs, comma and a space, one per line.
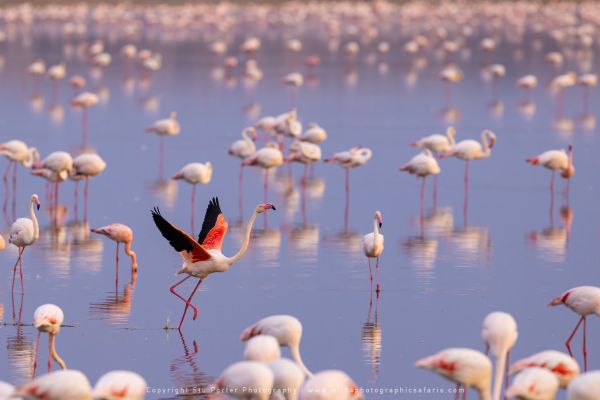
203, 257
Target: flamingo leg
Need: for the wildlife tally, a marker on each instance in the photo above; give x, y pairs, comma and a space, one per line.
378, 289
172, 289
266, 185
464, 393
14, 178
584, 344
466, 178
21, 270
49, 352
506, 371
6, 171
435, 191
423, 194
568, 342
21, 249
347, 208
193, 206
370, 269
161, 164
76, 198
85, 197
552, 182
187, 304
37, 349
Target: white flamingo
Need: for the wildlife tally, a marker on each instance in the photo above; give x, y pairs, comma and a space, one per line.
373, 245
585, 387
24, 232
555, 160
469, 149
67, 384
534, 383
499, 334
48, 318
86, 166
245, 377
437, 143
422, 165
120, 385
330, 385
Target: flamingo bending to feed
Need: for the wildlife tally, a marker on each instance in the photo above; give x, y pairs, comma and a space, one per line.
204, 257
24, 232
267, 158
466, 367
195, 173
164, 127
583, 300
86, 166
244, 148
585, 387
244, 377
120, 234
56, 168
17, 152
534, 383
286, 329
422, 165
306, 153
499, 333
48, 318
330, 384
562, 365
84, 101
556, 160
67, 384
121, 385
437, 143
373, 245
262, 348
469, 149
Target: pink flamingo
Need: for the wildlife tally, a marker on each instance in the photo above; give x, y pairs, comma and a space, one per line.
562, 365
422, 165
556, 160
120, 234
126, 385
24, 232
48, 318
164, 127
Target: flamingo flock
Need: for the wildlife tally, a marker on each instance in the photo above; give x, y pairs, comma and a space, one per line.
443, 36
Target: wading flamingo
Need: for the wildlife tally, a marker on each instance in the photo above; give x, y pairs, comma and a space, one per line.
24, 232
373, 246
451, 75
267, 158
499, 334
556, 160
585, 387
195, 173
583, 300
286, 329
48, 318
562, 365
17, 152
56, 168
56, 73
244, 377
314, 134
84, 101
119, 233
527, 83
243, 148
437, 143
164, 127
560, 84
122, 385
203, 257
534, 383
306, 153
36, 69
330, 384
422, 165
85, 167
587, 82
67, 384
466, 367
469, 149
262, 348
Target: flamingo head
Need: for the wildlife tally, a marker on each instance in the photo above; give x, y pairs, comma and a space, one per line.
253, 133
379, 218
569, 172
36, 200
261, 208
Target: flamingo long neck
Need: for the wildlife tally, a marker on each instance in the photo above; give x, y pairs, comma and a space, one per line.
375, 228
244, 247
131, 254
32, 157
36, 227
487, 150
499, 374
55, 356
295, 350
451, 133
245, 135
570, 158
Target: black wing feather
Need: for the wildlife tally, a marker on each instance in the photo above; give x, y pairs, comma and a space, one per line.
210, 218
176, 238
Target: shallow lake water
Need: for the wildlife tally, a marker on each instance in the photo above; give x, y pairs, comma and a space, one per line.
510, 247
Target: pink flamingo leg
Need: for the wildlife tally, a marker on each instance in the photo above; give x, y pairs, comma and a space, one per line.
15, 267
457, 394
85, 199
172, 289
506, 371
187, 304
568, 342
21, 270
370, 269
435, 191
378, 289
49, 352
37, 350
161, 164
193, 207
76, 200
552, 182
347, 208
266, 185
423, 194
584, 344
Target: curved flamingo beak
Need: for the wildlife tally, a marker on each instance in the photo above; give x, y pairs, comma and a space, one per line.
37, 203
269, 206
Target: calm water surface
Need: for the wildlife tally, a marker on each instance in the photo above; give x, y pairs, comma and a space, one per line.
510, 249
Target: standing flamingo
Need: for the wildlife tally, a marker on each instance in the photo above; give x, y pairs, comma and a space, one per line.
67, 384
48, 318
468, 150
203, 257
306, 153
56, 73
422, 165
583, 300
55, 167
466, 367
585, 387
587, 82
499, 333
86, 166
37, 69
24, 232
286, 329
244, 147
267, 158
336, 384
164, 127
314, 134
560, 84
122, 385
245, 377
120, 234
84, 101
195, 173
373, 246
451, 75
562, 365
555, 160
527, 83
437, 143
17, 152
294, 80
534, 383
